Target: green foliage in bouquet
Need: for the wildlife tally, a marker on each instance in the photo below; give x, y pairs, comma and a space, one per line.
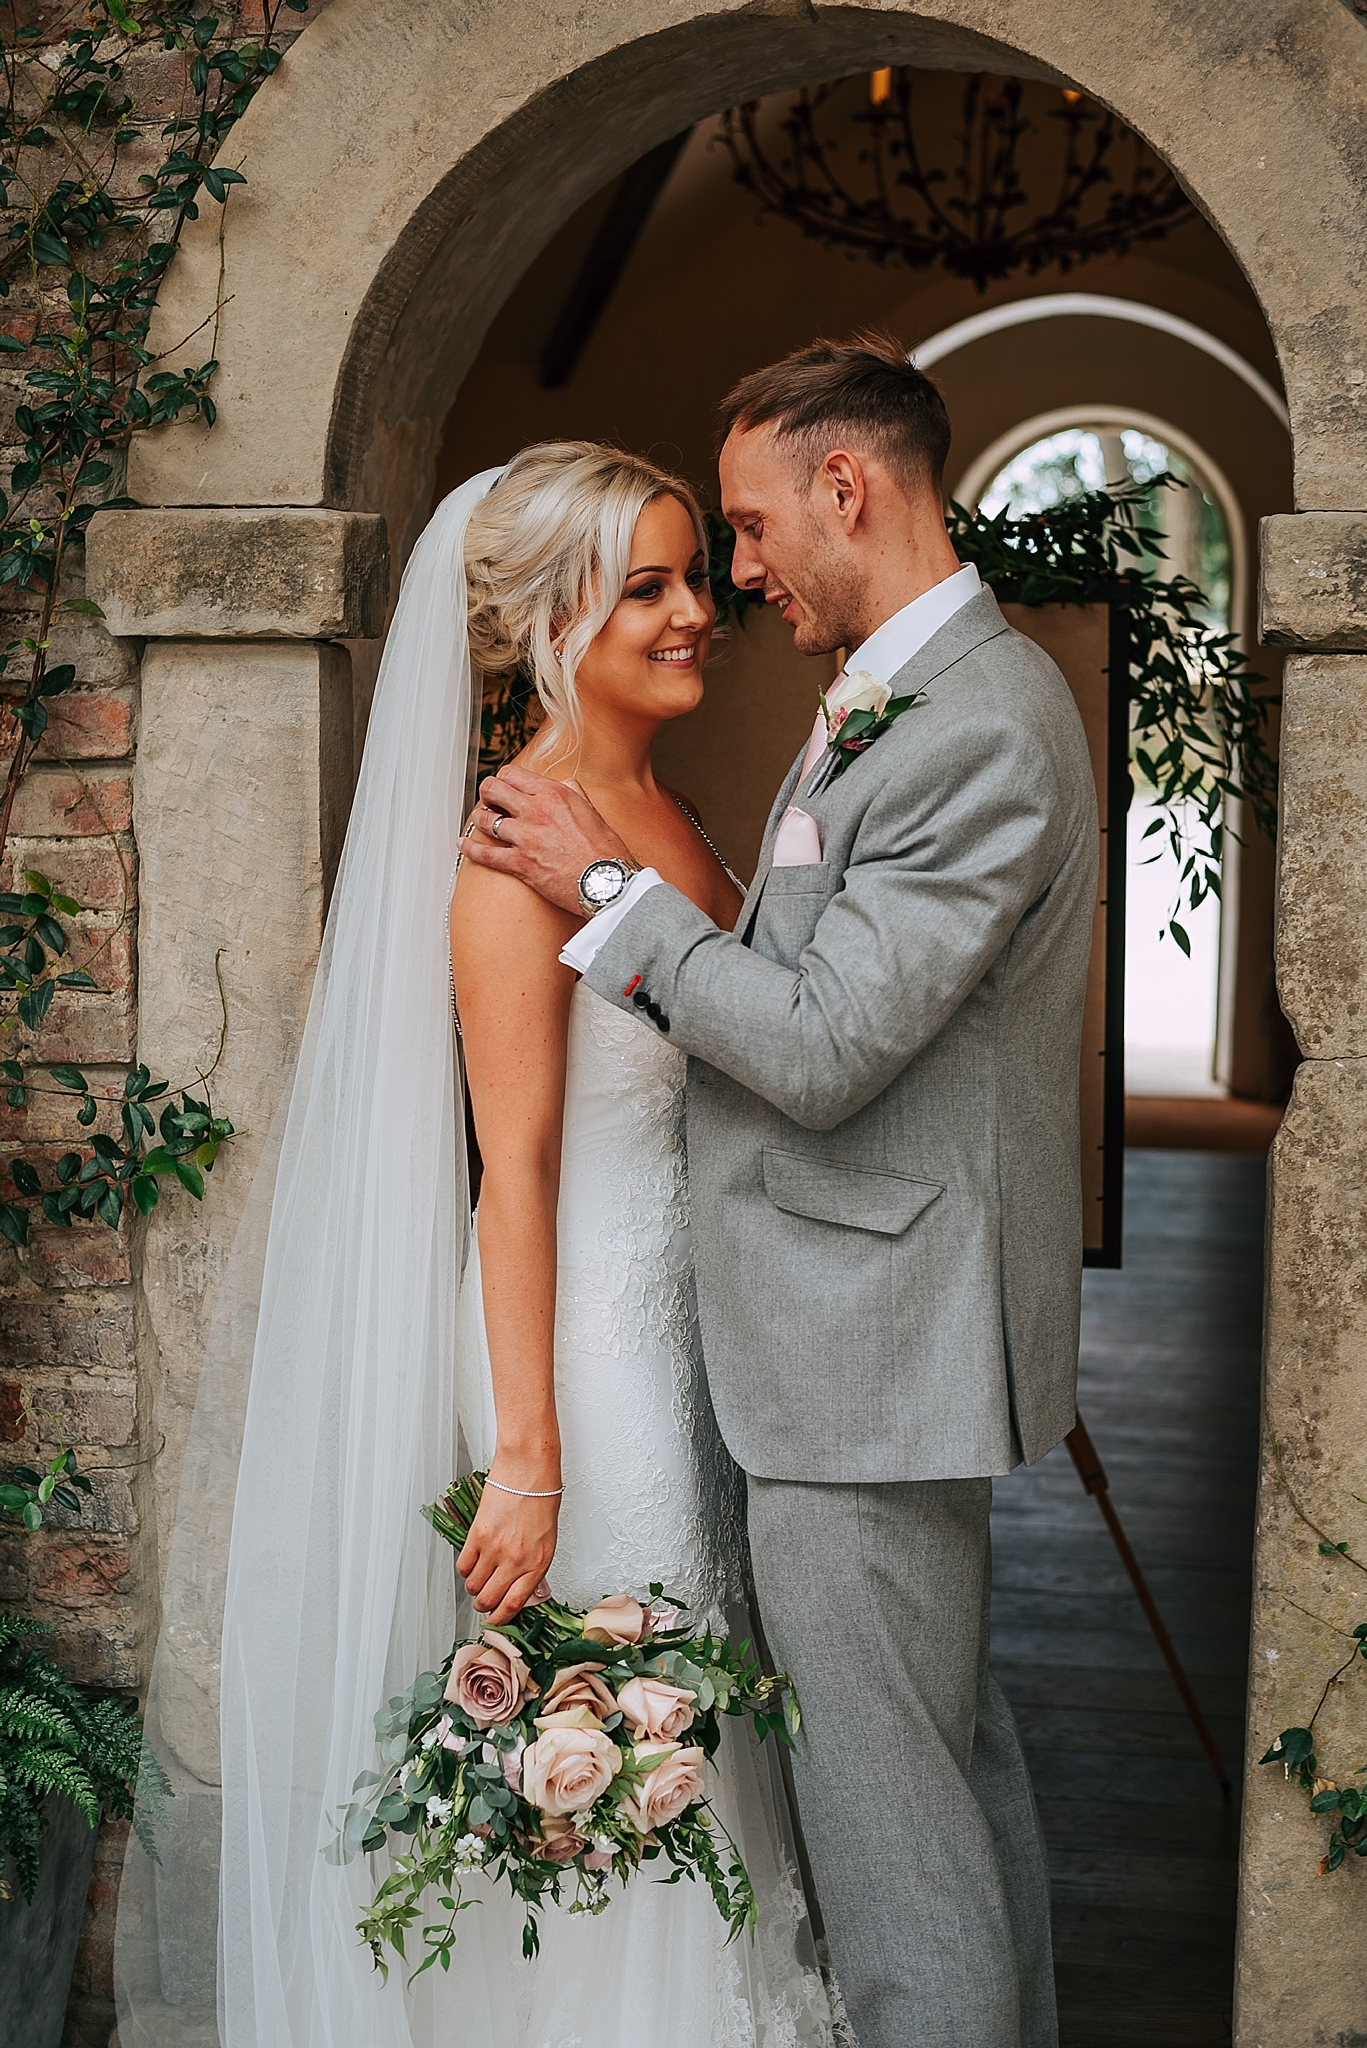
57, 1738
530, 1757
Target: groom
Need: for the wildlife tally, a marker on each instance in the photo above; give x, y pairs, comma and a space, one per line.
883, 1161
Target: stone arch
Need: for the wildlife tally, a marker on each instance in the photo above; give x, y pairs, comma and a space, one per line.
403, 169
409, 162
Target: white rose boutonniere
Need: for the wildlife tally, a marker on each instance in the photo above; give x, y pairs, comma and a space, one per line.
858, 710
858, 691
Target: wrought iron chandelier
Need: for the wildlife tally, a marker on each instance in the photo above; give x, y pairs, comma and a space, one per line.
859, 180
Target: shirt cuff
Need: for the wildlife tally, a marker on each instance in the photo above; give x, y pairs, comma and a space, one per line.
581, 949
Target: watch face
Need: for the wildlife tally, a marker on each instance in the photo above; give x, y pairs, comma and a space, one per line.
604, 880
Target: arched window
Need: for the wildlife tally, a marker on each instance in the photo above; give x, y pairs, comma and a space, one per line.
1171, 1002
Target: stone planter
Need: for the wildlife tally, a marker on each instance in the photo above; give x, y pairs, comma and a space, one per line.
38, 1941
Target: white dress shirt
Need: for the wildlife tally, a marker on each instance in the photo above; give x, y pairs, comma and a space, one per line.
883, 654
907, 631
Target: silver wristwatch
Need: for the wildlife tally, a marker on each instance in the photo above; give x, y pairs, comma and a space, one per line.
602, 882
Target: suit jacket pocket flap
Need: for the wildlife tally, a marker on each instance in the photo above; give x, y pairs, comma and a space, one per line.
861, 1198
805, 878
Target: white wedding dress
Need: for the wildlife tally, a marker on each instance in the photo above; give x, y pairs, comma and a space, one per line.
650, 1494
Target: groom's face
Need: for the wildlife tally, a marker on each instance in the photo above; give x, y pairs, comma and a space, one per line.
787, 543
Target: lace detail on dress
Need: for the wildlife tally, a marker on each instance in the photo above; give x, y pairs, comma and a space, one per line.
626, 1298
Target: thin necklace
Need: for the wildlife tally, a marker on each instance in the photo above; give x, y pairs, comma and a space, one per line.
710, 843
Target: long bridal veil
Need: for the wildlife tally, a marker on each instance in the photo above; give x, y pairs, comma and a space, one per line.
335, 1592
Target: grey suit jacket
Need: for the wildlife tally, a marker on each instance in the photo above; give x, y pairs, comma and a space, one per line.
883, 1094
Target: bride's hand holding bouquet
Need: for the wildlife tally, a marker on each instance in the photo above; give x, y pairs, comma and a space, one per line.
558, 1749
508, 1551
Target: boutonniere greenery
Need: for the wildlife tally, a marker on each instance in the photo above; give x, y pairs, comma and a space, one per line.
858, 711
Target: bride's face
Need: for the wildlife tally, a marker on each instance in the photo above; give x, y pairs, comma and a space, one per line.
648, 659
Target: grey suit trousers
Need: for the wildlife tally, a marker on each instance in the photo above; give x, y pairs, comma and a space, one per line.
915, 1799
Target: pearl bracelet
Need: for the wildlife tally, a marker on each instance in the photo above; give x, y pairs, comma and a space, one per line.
523, 1493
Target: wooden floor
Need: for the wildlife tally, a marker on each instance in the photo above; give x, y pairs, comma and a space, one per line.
1142, 1847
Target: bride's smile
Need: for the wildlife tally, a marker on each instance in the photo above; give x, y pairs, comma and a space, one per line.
646, 664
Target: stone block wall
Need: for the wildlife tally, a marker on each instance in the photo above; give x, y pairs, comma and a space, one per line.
68, 1365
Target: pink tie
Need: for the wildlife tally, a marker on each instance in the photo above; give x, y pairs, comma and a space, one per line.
816, 747
797, 842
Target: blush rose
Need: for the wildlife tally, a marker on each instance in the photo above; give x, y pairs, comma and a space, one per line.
656, 1710
570, 1764
489, 1680
559, 1841
674, 1782
577, 1685
618, 1619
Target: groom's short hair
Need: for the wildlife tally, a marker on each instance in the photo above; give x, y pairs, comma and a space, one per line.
846, 392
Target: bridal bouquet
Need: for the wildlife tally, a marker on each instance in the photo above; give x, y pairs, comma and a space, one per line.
560, 1750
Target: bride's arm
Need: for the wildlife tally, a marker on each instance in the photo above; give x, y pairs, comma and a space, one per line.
513, 998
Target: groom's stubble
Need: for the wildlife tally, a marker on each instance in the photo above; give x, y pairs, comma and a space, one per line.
831, 589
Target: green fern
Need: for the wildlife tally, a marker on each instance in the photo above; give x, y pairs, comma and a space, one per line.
57, 1739
13, 1626
22, 1715
54, 1770
21, 1832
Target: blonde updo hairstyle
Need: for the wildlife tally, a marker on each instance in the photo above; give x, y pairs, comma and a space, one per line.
546, 559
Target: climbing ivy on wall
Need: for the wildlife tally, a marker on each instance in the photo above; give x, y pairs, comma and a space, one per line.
111, 118
1343, 1807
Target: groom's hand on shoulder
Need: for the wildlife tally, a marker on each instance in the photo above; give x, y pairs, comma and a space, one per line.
541, 832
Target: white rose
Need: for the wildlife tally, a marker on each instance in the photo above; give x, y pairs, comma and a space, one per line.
858, 691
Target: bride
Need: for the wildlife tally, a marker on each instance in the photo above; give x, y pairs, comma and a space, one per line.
555, 1345
579, 1377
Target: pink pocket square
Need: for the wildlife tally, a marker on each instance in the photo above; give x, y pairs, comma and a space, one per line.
797, 843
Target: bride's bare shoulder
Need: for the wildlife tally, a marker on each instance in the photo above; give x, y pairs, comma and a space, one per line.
499, 924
